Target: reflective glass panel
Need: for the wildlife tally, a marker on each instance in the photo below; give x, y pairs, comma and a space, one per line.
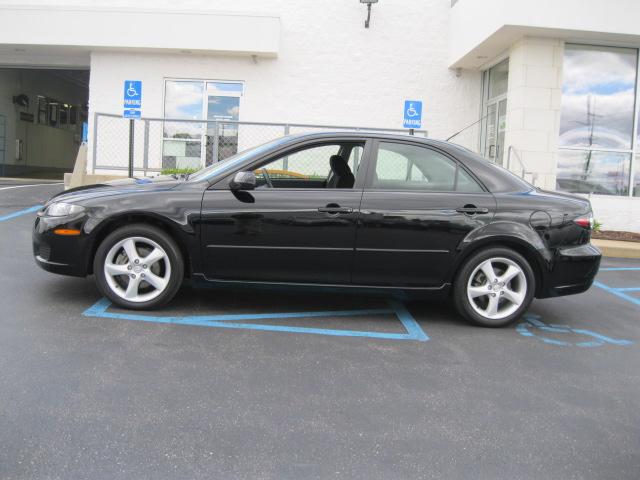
636, 179
222, 108
183, 100
498, 79
584, 171
598, 94
224, 88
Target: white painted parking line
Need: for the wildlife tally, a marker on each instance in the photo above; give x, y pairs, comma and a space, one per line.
32, 185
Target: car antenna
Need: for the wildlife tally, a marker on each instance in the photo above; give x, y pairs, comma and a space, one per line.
468, 126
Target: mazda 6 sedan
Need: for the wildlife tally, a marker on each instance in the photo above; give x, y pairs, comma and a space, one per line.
391, 214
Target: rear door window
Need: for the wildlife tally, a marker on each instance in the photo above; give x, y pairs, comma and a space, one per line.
401, 166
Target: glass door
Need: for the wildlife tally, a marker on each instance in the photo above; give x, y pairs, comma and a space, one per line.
496, 124
222, 103
495, 112
212, 135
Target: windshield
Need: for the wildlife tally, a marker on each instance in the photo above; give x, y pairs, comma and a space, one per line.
231, 162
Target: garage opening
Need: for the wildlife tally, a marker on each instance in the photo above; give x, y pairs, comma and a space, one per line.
43, 113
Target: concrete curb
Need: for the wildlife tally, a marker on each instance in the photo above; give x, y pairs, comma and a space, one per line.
618, 249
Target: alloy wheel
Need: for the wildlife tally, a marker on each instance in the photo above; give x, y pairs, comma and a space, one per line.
497, 287
137, 269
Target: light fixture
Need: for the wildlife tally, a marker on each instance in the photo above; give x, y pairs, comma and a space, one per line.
369, 3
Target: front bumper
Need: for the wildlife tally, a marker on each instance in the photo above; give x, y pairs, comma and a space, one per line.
572, 271
65, 255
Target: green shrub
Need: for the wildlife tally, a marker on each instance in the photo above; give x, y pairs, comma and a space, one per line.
596, 226
178, 171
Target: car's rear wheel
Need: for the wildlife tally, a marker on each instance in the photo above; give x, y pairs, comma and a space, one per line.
494, 287
138, 267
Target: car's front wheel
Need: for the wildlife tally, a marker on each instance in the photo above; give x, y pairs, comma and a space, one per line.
494, 287
138, 267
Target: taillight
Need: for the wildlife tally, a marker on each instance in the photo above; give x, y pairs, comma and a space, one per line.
585, 222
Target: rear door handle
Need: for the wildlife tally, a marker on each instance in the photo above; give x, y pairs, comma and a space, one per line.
335, 209
472, 210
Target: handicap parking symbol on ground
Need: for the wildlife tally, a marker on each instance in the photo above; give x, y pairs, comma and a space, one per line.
536, 328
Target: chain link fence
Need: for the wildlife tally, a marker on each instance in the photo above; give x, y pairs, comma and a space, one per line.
159, 143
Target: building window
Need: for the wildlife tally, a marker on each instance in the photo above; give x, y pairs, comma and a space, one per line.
212, 136
597, 140
594, 171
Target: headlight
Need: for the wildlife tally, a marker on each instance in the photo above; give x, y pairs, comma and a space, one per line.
62, 210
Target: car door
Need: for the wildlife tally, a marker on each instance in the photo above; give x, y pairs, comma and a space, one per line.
417, 205
293, 227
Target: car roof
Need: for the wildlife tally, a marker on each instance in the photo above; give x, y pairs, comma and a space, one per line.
381, 135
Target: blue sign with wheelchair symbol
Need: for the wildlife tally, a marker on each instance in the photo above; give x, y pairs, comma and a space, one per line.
132, 94
571, 337
412, 114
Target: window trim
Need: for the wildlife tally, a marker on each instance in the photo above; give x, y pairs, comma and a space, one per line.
372, 160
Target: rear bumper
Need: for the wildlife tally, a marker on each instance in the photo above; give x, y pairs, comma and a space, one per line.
572, 271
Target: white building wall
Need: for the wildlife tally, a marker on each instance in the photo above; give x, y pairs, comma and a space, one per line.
533, 106
616, 213
329, 70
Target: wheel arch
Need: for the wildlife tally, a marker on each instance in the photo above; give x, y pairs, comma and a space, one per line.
533, 256
113, 223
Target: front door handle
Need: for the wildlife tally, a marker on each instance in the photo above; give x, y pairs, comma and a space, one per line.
335, 209
472, 210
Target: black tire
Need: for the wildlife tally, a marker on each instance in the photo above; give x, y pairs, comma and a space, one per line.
463, 303
176, 272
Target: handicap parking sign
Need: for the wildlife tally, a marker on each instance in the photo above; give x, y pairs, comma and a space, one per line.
412, 114
132, 101
132, 94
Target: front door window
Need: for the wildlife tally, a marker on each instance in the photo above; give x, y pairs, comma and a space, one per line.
318, 166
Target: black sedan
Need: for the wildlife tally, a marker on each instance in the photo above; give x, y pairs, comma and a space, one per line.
387, 213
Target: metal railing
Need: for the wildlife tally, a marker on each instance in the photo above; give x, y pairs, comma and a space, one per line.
156, 144
469, 137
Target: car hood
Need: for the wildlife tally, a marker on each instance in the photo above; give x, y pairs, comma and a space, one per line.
116, 187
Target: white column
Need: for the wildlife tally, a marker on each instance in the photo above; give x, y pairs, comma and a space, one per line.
533, 106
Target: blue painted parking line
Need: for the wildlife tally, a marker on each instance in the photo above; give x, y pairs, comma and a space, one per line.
618, 269
413, 329
35, 208
618, 293
533, 325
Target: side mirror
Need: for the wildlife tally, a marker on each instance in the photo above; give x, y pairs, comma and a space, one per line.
243, 181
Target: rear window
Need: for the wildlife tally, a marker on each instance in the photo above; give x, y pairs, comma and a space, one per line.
524, 185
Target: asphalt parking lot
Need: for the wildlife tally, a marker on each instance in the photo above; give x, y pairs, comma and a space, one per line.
274, 385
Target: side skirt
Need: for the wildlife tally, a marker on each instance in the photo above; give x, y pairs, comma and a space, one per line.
200, 279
